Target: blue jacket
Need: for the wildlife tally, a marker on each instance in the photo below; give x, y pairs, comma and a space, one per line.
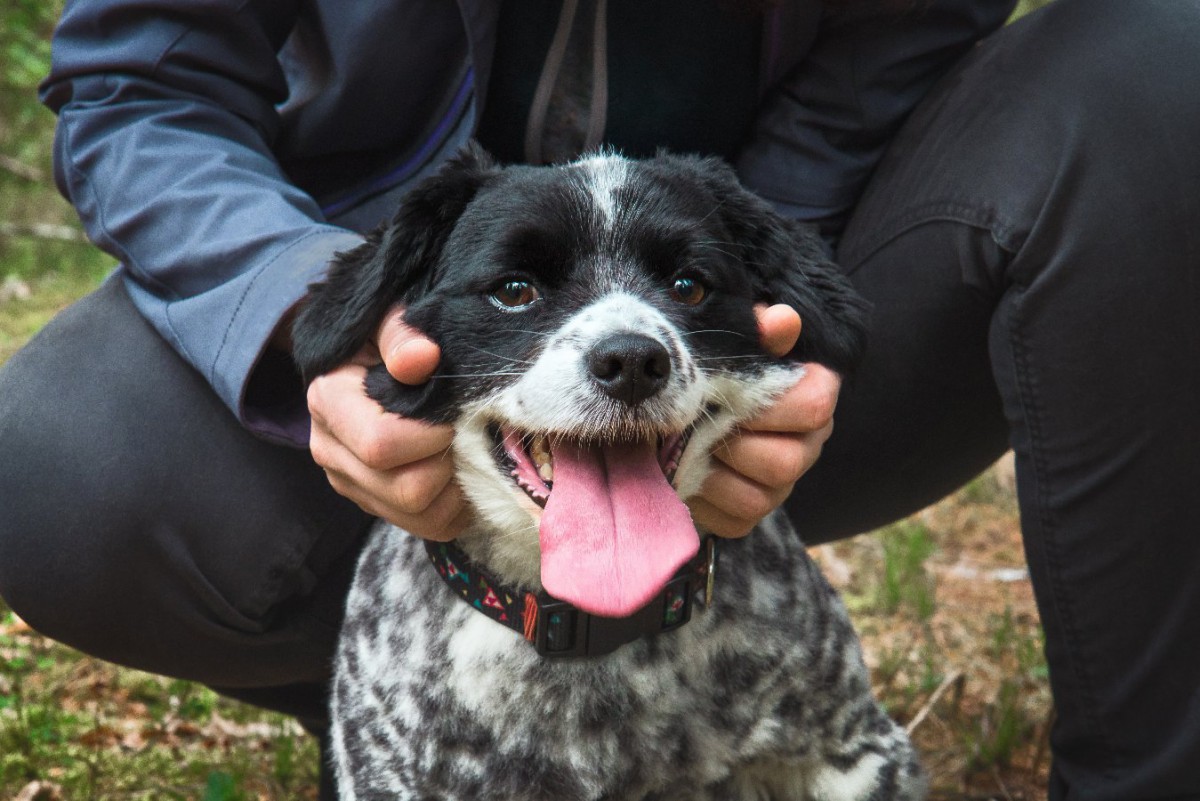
223, 151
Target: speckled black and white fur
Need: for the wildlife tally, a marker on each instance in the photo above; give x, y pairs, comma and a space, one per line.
517, 272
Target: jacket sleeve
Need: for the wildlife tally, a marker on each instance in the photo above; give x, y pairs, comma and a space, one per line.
825, 126
167, 112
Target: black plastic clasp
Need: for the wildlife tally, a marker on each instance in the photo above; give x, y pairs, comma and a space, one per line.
558, 630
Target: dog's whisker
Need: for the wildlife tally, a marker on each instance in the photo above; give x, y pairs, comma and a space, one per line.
724, 401
542, 334
715, 331
500, 356
725, 358
478, 375
713, 210
470, 419
713, 245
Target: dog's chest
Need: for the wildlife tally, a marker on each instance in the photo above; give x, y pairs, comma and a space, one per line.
434, 699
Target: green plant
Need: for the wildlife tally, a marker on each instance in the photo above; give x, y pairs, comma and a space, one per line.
42, 249
904, 583
192, 701
1003, 727
986, 490
222, 787
99, 731
285, 770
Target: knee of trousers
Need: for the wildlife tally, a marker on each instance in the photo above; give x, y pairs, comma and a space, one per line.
1072, 128
1113, 73
62, 522
108, 560
172, 541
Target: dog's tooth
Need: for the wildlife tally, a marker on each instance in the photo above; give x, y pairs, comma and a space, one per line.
539, 450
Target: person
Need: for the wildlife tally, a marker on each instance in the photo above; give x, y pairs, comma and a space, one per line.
1019, 203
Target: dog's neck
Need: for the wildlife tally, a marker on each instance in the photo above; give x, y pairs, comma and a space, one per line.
512, 560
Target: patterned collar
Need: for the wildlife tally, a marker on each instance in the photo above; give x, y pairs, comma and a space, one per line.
558, 629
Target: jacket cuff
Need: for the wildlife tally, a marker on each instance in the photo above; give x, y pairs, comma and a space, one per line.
261, 384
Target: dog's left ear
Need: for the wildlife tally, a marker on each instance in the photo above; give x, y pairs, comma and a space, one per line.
396, 263
789, 259
787, 263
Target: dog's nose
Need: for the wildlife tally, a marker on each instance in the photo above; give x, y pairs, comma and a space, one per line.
630, 367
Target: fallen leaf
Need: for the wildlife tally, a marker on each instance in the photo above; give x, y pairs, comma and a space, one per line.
99, 737
13, 288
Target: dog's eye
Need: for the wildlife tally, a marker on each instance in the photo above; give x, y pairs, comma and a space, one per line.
515, 295
688, 290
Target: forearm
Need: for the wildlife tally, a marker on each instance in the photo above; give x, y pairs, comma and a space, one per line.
163, 146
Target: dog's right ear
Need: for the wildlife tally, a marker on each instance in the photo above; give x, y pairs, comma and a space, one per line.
396, 263
785, 262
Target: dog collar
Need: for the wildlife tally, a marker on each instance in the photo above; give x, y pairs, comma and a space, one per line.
557, 628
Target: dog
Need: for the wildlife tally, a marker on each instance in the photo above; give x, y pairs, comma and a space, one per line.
581, 640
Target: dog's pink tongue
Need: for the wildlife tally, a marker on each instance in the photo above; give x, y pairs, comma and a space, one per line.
613, 531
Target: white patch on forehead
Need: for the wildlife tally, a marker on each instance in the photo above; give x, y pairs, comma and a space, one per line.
616, 312
602, 176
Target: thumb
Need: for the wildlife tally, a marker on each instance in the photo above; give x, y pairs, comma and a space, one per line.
778, 327
410, 356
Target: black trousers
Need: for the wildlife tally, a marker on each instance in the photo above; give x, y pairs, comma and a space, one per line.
1032, 247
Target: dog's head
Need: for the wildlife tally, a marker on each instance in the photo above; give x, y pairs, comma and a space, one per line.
598, 337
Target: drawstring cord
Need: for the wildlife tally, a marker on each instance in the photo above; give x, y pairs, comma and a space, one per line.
597, 116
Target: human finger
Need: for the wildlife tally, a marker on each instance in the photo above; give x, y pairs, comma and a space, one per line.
407, 490
441, 521
410, 356
772, 459
709, 518
740, 497
778, 327
806, 406
379, 439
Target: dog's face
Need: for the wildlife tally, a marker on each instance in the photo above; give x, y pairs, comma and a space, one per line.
598, 337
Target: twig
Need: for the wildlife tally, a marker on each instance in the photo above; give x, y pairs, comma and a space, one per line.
1000, 782
954, 678
57, 233
21, 169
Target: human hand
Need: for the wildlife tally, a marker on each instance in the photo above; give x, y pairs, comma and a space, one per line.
756, 466
393, 467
